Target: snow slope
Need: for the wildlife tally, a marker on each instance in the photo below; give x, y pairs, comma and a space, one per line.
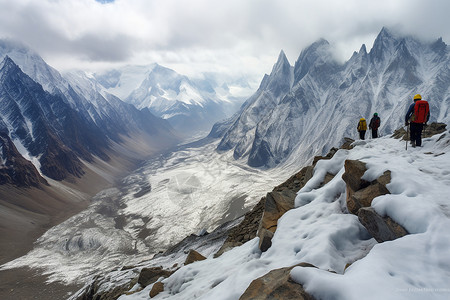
321, 232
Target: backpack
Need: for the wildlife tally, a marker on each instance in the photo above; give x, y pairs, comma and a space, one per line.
421, 111
376, 122
362, 125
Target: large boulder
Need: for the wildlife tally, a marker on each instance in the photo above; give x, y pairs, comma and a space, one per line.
381, 228
277, 284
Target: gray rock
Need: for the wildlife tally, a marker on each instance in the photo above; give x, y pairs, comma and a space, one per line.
381, 228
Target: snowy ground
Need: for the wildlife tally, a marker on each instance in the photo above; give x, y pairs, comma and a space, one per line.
167, 199
320, 232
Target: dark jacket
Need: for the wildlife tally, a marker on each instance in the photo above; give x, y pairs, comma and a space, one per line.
374, 124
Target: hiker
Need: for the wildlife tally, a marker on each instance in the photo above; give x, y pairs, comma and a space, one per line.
362, 127
417, 116
374, 124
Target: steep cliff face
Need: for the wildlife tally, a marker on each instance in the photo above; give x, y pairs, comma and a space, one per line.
15, 169
40, 122
55, 122
293, 117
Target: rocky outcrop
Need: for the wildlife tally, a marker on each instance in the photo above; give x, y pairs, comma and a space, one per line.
360, 194
282, 199
382, 228
277, 284
151, 275
193, 256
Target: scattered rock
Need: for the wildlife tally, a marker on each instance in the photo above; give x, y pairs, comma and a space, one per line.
193, 256
277, 284
157, 288
382, 229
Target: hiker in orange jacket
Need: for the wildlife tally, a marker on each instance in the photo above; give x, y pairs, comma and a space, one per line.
417, 116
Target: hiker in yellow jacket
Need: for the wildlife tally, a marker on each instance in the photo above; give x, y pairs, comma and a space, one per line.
362, 127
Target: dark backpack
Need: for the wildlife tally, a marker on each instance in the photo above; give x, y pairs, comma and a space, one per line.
376, 122
421, 110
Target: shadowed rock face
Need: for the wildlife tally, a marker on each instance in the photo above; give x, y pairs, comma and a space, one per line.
382, 228
15, 169
150, 275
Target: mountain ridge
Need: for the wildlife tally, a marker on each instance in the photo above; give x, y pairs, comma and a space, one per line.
327, 98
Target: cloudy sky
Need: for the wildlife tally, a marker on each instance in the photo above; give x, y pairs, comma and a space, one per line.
236, 37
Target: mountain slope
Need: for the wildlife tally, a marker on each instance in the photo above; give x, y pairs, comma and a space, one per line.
39, 122
70, 112
326, 99
320, 231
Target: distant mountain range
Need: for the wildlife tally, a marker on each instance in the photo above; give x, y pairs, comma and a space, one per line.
303, 110
188, 105
55, 123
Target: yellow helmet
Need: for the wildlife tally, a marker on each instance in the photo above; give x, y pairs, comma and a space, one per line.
418, 97
362, 119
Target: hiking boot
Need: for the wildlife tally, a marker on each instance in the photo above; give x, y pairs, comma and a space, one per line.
413, 144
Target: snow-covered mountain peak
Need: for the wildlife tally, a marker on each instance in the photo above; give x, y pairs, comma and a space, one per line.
7, 63
317, 53
32, 64
281, 64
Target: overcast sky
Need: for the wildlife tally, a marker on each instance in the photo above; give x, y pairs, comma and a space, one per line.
238, 37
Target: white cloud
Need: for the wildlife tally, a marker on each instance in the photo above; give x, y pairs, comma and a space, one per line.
234, 36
